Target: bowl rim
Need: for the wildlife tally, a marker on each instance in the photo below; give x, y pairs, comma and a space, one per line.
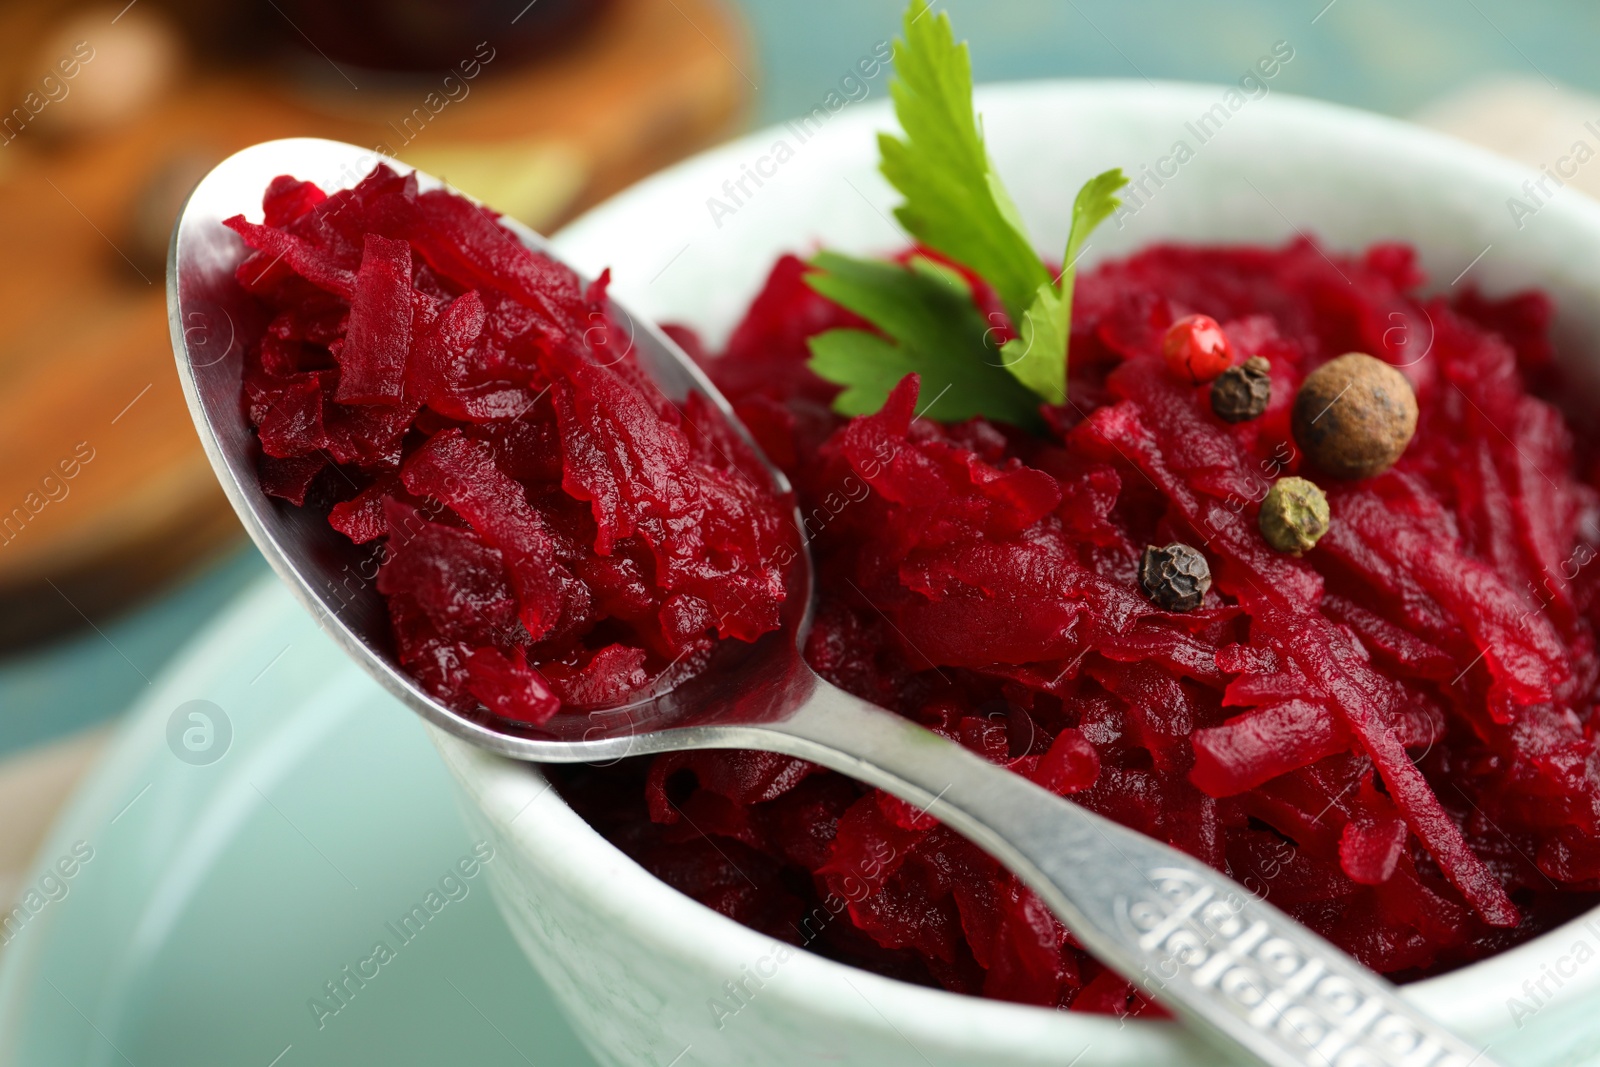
1462, 998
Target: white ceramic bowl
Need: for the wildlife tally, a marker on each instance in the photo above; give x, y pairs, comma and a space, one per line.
637, 965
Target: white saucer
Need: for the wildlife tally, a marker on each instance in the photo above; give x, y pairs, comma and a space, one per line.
209, 904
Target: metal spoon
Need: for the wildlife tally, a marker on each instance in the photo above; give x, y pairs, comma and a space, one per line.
1245, 974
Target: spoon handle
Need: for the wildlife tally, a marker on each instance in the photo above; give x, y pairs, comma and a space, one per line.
1195, 940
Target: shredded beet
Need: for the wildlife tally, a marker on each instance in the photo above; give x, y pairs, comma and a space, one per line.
555, 531
1391, 738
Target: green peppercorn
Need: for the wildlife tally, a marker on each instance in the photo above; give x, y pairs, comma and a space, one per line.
1294, 515
1176, 577
1242, 393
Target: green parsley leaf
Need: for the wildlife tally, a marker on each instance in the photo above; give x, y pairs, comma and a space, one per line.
929, 326
1038, 357
1095, 203
955, 203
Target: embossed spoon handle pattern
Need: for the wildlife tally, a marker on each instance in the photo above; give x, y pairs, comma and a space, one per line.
1195, 940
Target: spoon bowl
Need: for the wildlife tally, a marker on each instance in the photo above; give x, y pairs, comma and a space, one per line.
213, 320
1243, 973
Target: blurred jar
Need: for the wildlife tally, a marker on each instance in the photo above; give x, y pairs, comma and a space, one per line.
419, 35
105, 68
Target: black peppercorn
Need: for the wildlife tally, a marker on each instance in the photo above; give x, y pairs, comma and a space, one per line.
1241, 393
1175, 577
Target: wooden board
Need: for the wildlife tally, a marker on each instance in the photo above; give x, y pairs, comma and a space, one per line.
86, 368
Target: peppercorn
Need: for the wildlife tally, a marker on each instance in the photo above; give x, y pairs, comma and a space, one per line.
1354, 416
1294, 515
1176, 577
1242, 393
1196, 349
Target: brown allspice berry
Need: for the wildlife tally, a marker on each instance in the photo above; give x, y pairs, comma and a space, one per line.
1176, 577
1354, 416
1242, 393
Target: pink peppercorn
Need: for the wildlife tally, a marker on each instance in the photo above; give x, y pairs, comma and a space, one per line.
1196, 349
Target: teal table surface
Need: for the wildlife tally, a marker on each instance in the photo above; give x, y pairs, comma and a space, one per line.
1387, 55
1384, 55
